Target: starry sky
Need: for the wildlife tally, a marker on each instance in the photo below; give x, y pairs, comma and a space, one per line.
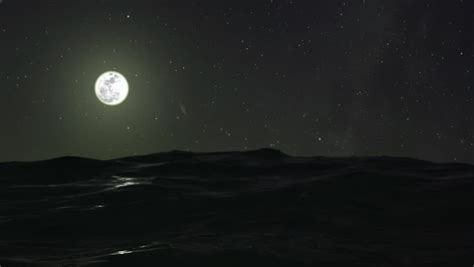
308, 77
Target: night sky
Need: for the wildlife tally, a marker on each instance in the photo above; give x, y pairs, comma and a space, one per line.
312, 77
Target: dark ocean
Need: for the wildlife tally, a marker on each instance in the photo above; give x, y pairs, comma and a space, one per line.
259, 208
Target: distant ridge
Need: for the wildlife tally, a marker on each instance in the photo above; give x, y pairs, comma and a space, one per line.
181, 154
268, 153
234, 163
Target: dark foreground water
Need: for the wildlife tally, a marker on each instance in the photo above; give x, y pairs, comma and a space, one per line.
258, 208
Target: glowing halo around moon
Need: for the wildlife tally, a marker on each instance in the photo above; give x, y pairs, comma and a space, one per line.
111, 88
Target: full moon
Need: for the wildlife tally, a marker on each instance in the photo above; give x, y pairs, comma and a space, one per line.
111, 88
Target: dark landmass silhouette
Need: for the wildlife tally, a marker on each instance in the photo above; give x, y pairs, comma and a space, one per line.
258, 208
